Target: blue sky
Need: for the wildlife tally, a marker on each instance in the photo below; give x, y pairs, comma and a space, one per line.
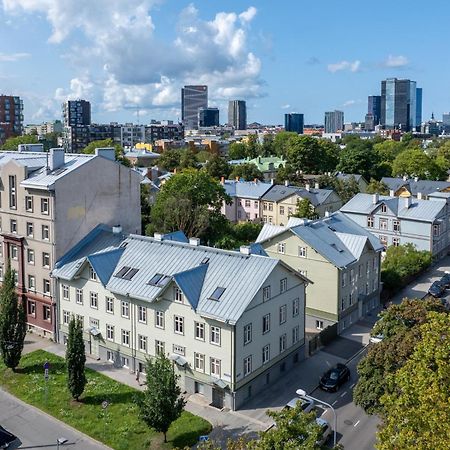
292, 55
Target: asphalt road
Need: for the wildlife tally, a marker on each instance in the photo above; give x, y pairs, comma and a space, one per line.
37, 430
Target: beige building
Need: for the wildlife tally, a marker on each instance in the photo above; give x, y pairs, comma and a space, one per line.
341, 259
48, 202
232, 322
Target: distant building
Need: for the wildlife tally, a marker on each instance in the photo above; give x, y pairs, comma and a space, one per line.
294, 122
76, 121
374, 108
446, 122
11, 117
334, 121
369, 122
269, 165
237, 114
54, 126
418, 108
192, 99
208, 117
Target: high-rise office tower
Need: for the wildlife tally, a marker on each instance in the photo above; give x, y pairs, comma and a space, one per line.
374, 107
294, 122
11, 117
237, 114
399, 104
76, 118
369, 122
334, 121
208, 117
418, 108
192, 99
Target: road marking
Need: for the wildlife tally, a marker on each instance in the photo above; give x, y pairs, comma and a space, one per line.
344, 393
334, 403
352, 386
356, 423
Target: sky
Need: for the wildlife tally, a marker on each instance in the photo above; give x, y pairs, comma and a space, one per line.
287, 56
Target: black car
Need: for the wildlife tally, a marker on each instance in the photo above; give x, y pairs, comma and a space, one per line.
6, 438
446, 280
437, 289
333, 378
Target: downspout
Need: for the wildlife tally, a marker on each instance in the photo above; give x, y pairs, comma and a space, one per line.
233, 366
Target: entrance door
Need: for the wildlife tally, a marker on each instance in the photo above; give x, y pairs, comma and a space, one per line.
199, 388
217, 398
95, 347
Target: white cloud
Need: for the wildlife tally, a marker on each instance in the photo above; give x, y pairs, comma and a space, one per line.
13, 57
287, 106
352, 66
396, 61
248, 16
79, 88
349, 103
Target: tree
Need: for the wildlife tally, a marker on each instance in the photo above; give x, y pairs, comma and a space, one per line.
416, 407
145, 206
104, 143
13, 326
190, 201
237, 150
247, 172
13, 142
161, 403
217, 167
346, 188
268, 147
377, 187
188, 159
170, 159
415, 162
75, 359
235, 235
281, 143
305, 209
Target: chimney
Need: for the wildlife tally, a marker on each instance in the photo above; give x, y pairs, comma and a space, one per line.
272, 181
316, 185
405, 178
117, 229
194, 241
416, 179
158, 236
419, 196
327, 213
244, 249
56, 158
222, 180
375, 198
236, 178
286, 183
407, 202
391, 193
107, 152
255, 180
307, 187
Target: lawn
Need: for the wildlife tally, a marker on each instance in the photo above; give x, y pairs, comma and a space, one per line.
118, 426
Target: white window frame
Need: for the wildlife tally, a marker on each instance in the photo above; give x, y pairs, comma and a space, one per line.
266, 354
283, 314
302, 252
30, 256
295, 307
159, 319
199, 362
45, 206
178, 324
178, 295
45, 232
142, 343
142, 314
215, 367
93, 300
125, 309
46, 283
199, 330
92, 274
281, 247
66, 317
266, 293
79, 296
109, 305
283, 285
247, 334
110, 332
247, 365
266, 324
215, 335
65, 292
125, 337
283, 343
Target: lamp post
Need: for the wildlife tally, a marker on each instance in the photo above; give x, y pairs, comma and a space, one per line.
60, 441
303, 393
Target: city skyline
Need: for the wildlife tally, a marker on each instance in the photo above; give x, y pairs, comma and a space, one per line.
245, 50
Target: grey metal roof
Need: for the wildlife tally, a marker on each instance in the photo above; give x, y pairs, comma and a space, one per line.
420, 210
347, 176
280, 192
246, 189
424, 187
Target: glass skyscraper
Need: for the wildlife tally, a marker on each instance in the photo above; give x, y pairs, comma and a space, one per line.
334, 121
374, 108
192, 99
237, 114
418, 108
294, 122
208, 117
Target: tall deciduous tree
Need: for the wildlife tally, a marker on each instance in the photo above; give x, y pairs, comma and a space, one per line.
305, 209
13, 326
415, 162
13, 142
217, 167
161, 403
377, 187
170, 159
75, 359
247, 172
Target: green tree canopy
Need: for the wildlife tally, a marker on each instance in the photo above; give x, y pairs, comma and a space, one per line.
237, 150
305, 209
217, 167
75, 359
247, 172
281, 143
346, 188
235, 235
377, 187
415, 162
13, 142
161, 403
170, 159
188, 159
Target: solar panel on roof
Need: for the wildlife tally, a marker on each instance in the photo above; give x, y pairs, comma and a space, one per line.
155, 279
122, 272
217, 293
130, 274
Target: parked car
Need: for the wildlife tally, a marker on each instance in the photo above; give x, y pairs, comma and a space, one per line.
6, 438
376, 338
445, 280
333, 378
437, 289
326, 431
307, 404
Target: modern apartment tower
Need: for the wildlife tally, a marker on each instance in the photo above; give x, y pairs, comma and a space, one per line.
208, 117
334, 121
11, 117
418, 108
76, 118
237, 114
399, 107
374, 107
294, 122
192, 99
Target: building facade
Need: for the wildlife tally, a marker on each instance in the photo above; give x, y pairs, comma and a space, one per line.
76, 121
49, 201
231, 322
237, 114
334, 121
208, 117
192, 99
341, 259
294, 122
11, 117
374, 108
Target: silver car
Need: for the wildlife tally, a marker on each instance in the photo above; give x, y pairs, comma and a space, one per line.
307, 404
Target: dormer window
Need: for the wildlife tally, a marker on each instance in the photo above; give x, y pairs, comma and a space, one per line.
126, 273
383, 208
159, 280
217, 293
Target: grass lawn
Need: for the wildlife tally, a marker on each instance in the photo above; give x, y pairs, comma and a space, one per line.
118, 427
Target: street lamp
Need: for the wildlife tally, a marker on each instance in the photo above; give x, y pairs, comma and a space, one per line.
303, 393
60, 441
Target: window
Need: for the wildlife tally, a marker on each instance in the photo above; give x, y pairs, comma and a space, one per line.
360, 269
31, 282
47, 313
80, 319
395, 242
217, 293
45, 206
31, 308
255, 204
295, 307
264, 206
247, 365
142, 343
283, 285
266, 324
295, 334
125, 310
247, 203
30, 229
46, 260
16, 278
214, 364
45, 233
247, 333
126, 338
159, 319
367, 268
302, 252
396, 225
344, 279
270, 206
65, 292
436, 230
179, 324
14, 254
200, 331
266, 293
142, 314
281, 210
79, 297
110, 332
350, 299
383, 224
13, 226
383, 208
319, 324
12, 192
159, 348
266, 354
370, 222
177, 295
94, 300
342, 303
109, 305
46, 284
283, 314
199, 362
30, 256
158, 279
283, 342
92, 274
66, 317
110, 356
125, 362
352, 276
215, 335
289, 211
126, 273
383, 240
179, 349
29, 203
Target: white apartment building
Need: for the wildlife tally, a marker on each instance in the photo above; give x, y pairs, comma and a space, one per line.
232, 322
